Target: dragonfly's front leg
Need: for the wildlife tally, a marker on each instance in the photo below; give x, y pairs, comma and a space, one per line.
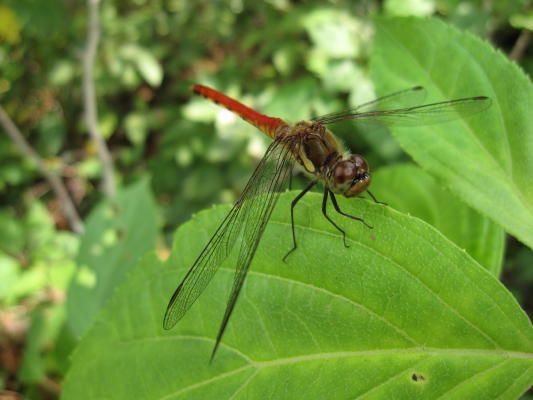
337, 208
293, 204
374, 198
324, 211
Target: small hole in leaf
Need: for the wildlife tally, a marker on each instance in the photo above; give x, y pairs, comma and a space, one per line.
416, 377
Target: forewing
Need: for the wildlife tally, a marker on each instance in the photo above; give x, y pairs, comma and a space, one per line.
420, 115
272, 166
406, 98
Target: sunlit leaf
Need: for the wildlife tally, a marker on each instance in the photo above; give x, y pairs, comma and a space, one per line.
37, 256
136, 126
487, 160
336, 32
402, 312
9, 275
9, 25
46, 321
523, 21
292, 102
410, 7
146, 63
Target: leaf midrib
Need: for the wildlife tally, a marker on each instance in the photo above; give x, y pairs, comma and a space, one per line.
260, 365
515, 189
398, 351
359, 396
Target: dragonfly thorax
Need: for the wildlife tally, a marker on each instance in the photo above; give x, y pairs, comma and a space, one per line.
349, 175
316, 146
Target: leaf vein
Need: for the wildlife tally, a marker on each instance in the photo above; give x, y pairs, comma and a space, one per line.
471, 378
414, 277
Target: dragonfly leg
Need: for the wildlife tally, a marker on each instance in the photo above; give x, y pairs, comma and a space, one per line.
374, 198
290, 178
324, 211
293, 204
337, 208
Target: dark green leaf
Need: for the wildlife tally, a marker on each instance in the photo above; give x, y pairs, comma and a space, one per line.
409, 189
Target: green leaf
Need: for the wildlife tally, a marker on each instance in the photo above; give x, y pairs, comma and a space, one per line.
9, 275
335, 32
136, 126
292, 101
409, 189
487, 160
402, 312
522, 21
46, 323
11, 232
146, 63
9, 25
409, 7
117, 234
32, 368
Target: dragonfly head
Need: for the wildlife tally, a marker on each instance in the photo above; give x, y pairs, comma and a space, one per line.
351, 176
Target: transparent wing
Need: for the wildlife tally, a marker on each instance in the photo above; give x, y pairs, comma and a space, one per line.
402, 99
248, 216
257, 213
426, 114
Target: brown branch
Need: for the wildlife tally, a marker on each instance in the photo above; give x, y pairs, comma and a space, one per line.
89, 99
520, 45
55, 182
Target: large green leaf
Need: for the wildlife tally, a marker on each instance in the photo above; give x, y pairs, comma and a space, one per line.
409, 189
117, 234
487, 160
401, 313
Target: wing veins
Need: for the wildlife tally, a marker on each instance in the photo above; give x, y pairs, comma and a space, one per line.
248, 249
403, 98
217, 249
423, 114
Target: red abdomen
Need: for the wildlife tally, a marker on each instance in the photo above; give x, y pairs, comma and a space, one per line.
266, 124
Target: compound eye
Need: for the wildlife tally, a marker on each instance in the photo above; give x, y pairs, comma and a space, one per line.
359, 185
359, 162
345, 171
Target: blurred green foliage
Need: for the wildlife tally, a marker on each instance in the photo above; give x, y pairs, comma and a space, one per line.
291, 59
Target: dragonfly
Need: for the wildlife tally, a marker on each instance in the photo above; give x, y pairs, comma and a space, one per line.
312, 146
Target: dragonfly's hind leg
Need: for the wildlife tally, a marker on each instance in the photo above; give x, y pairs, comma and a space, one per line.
337, 208
293, 204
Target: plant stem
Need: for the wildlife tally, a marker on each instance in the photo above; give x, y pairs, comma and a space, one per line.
520, 46
55, 182
89, 99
